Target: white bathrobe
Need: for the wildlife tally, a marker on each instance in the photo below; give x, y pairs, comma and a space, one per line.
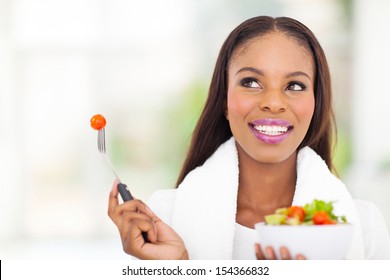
203, 209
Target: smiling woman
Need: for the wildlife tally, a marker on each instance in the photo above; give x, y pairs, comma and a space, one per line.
263, 142
280, 93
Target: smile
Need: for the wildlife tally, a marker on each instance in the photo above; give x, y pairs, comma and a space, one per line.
271, 131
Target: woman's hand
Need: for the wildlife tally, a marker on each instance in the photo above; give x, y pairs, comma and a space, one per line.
134, 217
269, 253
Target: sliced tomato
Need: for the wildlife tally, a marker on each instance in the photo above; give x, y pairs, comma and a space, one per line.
322, 218
297, 212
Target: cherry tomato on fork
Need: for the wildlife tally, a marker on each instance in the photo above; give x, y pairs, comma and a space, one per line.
98, 122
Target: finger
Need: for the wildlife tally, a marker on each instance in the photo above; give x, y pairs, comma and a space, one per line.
129, 216
113, 202
301, 257
259, 252
131, 219
134, 209
134, 205
140, 207
285, 253
137, 227
132, 240
270, 253
115, 211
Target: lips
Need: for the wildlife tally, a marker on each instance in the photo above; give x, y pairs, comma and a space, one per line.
271, 131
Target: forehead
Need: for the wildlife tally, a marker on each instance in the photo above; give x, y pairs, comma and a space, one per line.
274, 51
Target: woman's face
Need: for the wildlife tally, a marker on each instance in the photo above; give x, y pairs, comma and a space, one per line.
270, 98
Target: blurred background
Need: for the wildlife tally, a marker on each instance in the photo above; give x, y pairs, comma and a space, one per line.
146, 66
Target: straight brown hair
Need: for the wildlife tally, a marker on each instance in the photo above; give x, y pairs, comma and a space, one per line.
213, 129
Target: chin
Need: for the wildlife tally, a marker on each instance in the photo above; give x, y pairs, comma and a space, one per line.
274, 155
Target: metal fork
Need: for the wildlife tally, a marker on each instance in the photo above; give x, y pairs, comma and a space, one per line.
122, 188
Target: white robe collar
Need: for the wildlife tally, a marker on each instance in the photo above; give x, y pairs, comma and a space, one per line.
210, 191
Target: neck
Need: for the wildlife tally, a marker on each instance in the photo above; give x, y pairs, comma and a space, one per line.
263, 187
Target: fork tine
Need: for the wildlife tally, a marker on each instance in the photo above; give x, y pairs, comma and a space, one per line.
102, 150
98, 140
101, 141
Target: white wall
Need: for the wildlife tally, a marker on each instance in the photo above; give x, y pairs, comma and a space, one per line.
369, 176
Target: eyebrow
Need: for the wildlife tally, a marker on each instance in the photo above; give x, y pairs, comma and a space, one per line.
261, 73
251, 69
298, 73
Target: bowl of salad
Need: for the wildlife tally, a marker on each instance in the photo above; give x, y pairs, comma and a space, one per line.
312, 230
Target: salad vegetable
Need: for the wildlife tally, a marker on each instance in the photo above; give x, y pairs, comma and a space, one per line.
98, 122
318, 212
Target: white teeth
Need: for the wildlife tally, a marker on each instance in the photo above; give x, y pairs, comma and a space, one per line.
271, 130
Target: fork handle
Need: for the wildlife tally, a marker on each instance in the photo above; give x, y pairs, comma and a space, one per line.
126, 196
124, 192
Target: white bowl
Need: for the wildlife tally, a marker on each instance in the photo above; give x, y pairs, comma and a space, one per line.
315, 242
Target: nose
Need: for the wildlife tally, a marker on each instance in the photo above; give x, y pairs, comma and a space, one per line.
273, 102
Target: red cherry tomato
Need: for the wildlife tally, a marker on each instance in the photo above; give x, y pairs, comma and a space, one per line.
296, 211
322, 218
98, 122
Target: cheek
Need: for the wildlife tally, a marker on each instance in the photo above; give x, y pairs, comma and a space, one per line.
304, 110
238, 106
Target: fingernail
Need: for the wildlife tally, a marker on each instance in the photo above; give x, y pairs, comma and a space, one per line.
268, 252
257, 248
284, 254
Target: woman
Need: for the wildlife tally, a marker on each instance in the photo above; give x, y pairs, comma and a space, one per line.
263, 142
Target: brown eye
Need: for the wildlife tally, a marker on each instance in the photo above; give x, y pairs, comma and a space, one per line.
296, 86
249, 83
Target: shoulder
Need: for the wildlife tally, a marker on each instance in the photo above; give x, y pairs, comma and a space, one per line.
375, 233
161, 202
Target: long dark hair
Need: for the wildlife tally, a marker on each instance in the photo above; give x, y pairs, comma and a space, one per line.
213, 129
